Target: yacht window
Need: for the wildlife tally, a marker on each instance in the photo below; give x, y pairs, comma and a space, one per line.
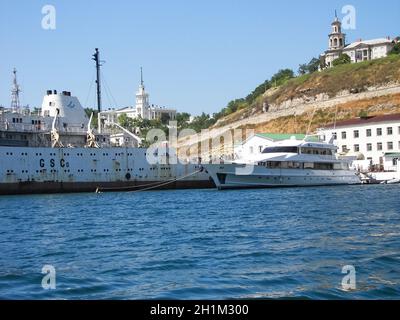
280, 150
273, 164
337, 166
284, 165
294, 165
308, 165
316, 151
323, 166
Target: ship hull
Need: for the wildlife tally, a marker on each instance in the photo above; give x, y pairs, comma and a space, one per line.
75, 187
26, 170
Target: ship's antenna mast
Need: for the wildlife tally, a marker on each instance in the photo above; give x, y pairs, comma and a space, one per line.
15, 91
96, 57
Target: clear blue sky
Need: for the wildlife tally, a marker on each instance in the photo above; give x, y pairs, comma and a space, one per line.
196, 55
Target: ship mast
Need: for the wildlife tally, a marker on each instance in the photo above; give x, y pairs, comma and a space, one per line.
15, 91
96, 57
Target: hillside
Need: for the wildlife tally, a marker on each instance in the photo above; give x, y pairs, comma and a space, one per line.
322, 117
371, 87
351, 79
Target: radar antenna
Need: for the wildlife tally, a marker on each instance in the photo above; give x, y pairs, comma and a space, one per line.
15, 91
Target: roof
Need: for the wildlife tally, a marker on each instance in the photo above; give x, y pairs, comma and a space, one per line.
366, 120
369, 43
285, 136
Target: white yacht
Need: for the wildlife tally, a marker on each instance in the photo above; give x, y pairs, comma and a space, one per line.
286, 163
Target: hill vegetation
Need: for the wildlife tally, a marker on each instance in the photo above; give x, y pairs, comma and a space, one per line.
355, 78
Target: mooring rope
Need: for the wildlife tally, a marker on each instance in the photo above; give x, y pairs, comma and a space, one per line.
148, 186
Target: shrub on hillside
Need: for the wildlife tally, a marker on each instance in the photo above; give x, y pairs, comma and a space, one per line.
343, 59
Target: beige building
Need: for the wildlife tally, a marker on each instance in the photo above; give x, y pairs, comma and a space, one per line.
358, 51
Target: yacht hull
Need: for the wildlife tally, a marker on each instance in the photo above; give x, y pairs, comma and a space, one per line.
234, 176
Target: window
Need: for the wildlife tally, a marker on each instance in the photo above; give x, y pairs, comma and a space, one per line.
356, 134
389, 131
369, 133
356, 147
280, 150
308, 165
379, 131
334, 135
260, 149
399, 129
323, 166
379, 146
344, 135
344, 149
251, 150
390, 145
369, 146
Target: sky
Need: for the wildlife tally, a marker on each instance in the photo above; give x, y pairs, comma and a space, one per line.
196, 55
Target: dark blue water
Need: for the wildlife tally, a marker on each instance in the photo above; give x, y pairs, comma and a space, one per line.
203, 244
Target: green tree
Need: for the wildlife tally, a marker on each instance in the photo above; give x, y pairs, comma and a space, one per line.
165, 118
281, 77
310, 67
343, 59
258, 91
396, 49
313, 65
302, 69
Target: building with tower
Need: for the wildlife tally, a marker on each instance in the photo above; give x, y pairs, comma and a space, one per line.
361, 50
142, 108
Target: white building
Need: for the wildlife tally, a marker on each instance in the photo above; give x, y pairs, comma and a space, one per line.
357, 51
142, 109
374, 142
